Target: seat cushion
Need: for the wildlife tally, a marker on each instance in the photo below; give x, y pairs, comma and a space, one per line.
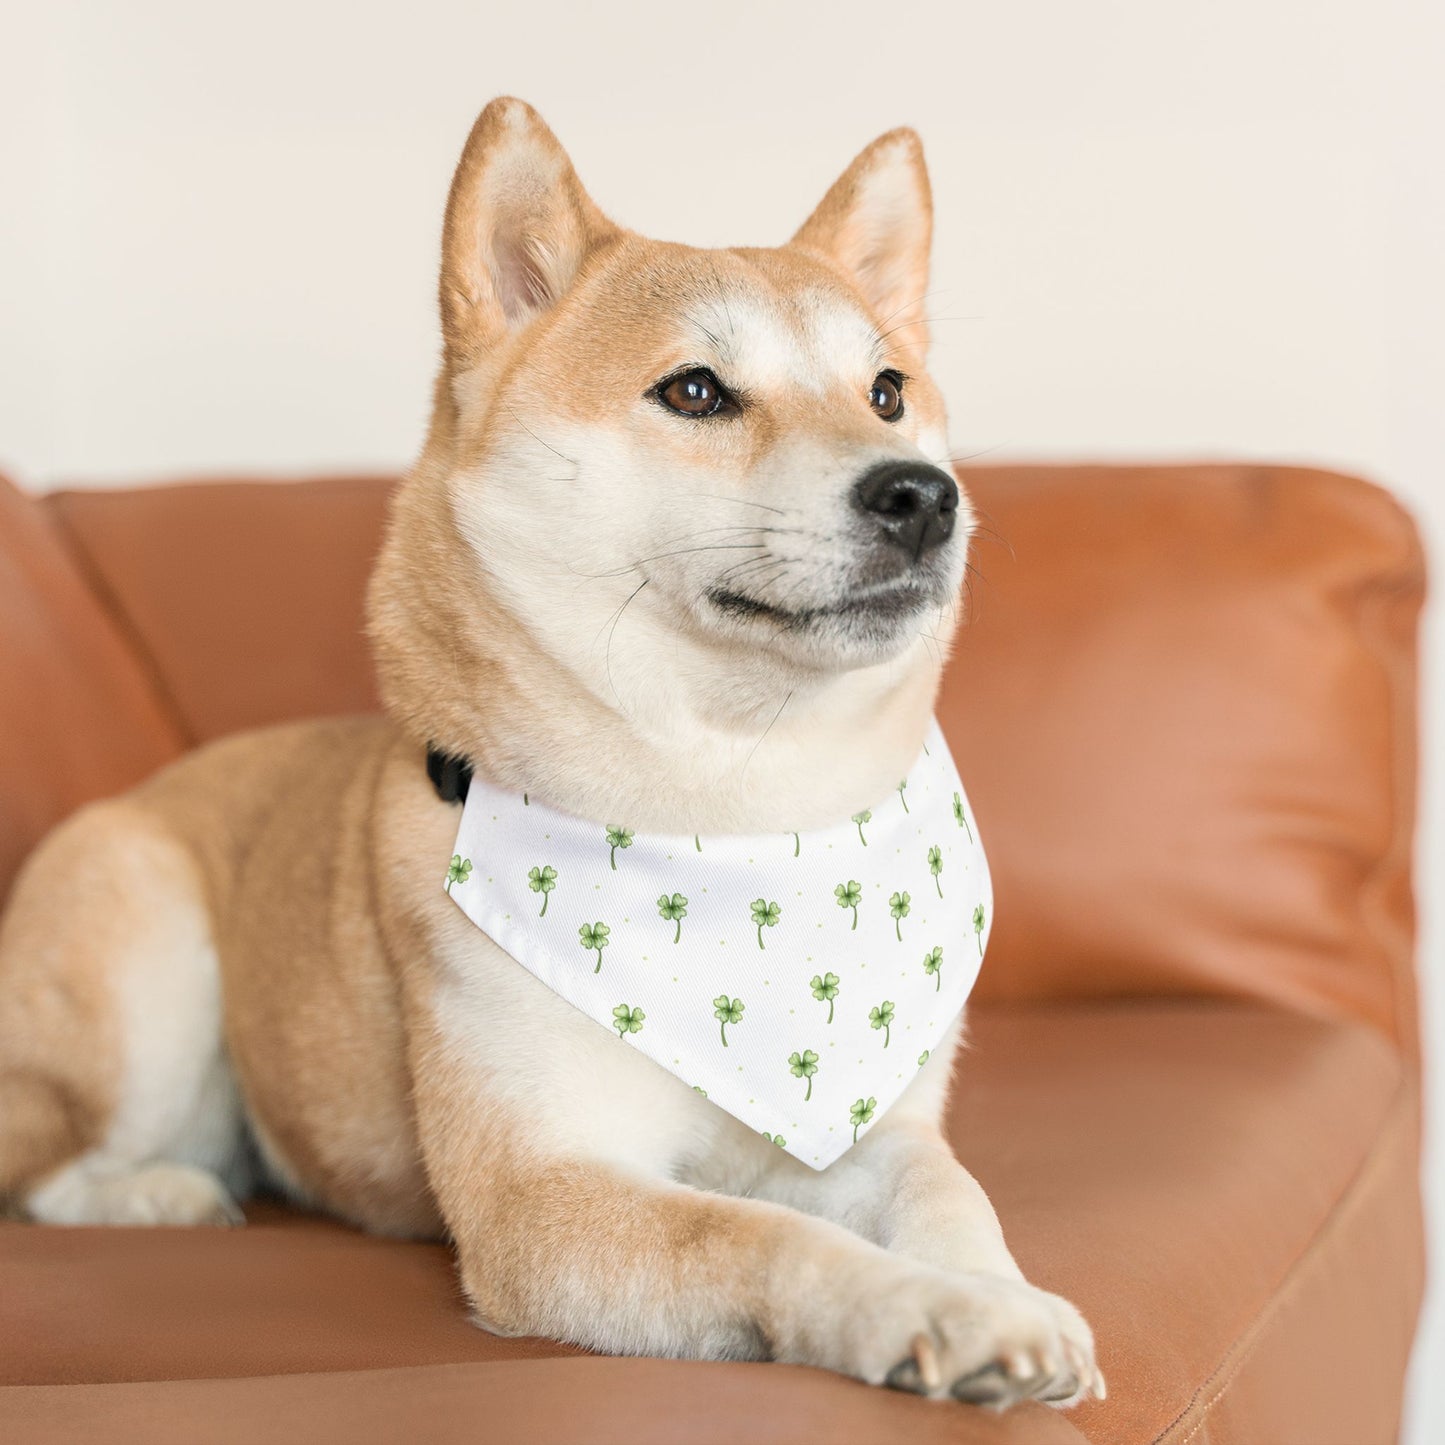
1227, 1192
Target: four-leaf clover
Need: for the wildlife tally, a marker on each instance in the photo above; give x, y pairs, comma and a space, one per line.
865, 816
543, 881
804, 1066
776, 1139
882, 1018
849, 895
978, 927
594, 935
935, 866
901, 787
674, 910
923, 1058
960, 817
730, 1011
765, 914
933, 964
825, 989
898, 908
627, 1020
458, 871
860, 1114
617, 838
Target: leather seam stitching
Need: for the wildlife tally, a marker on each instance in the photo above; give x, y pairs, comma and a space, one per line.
1242, 1349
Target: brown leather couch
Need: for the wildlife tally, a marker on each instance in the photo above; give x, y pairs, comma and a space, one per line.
1185, 706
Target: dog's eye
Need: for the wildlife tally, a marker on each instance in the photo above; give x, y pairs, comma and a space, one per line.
886, 397
694, 393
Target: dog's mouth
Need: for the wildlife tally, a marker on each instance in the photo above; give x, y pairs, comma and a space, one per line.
878, 605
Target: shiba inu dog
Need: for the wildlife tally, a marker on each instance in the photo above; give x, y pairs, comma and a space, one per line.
677, 549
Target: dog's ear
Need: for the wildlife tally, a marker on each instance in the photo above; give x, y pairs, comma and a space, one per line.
518, 228
877, 223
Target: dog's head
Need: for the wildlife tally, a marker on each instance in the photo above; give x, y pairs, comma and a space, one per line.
650, 452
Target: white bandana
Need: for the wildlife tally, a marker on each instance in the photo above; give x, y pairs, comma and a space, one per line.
798, 980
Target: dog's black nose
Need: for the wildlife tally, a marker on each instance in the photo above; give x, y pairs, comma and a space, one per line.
914, 504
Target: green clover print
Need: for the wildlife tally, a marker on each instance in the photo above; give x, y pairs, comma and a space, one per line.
776, 1139
804, 1066
765, 914
730, 1012
797, 845
627, 1020
674, 910
882, 1018
960, 817
898, 909
543, 881
850, 895
923, 1058
617, 838
935, 866
860, 1114
978, 927
825, 990
933, 965
865, 816
594, 935
459, 870
901, 787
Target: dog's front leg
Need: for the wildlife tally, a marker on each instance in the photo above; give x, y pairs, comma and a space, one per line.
610, 1254
901, 1188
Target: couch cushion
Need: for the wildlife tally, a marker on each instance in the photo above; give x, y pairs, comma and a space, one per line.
1185, 1173
1184, 705
79, 717
248, 595
1185, 708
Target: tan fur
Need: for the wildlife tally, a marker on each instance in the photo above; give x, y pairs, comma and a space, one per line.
256, 943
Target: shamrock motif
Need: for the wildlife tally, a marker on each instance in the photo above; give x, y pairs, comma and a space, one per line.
797, 845
865, 816
882, 1018
617, 838
849, 895
901, 787
674, 910
933, 964
459, 870
860, 1114
898, 909
935, 866
627, 1020
698, 841
543, 881
804, 1066
825, 989
776, 1139
698, 1089
765, 914
594, 935
923, 1058
730, 1012
960, 817
978, 927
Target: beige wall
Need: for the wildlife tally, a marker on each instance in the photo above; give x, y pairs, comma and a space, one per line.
1164, 228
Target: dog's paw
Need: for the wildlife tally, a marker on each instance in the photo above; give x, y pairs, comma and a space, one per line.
984, 1339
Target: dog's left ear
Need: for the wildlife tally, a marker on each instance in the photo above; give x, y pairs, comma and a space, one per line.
877, 223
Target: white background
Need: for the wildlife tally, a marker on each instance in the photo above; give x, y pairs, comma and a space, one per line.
1164, 229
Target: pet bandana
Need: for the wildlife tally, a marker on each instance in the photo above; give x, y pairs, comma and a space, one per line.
797, 980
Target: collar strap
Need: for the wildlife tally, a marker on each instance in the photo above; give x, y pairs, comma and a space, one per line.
450, 775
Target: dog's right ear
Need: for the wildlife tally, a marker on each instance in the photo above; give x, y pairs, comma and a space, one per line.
518, 228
